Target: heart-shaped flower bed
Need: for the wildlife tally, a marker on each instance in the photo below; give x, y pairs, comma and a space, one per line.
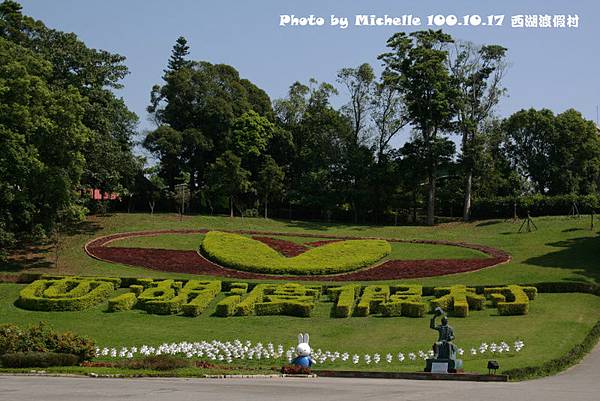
243, 253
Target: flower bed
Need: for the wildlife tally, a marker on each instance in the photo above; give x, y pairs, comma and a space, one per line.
286, 248
177, 261
238, 350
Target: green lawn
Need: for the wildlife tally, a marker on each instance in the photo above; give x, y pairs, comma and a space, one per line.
555, 323
562, 249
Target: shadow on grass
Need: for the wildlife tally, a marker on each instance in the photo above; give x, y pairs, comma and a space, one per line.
36, 255
488, 223
576, 253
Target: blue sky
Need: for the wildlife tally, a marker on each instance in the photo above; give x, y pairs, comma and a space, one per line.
553, 68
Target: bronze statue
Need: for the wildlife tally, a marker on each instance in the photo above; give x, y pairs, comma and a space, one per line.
444, 349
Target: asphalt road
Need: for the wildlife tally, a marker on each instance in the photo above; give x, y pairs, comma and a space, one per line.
580, 383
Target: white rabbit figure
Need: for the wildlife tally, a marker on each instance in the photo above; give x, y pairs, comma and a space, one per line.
303, 352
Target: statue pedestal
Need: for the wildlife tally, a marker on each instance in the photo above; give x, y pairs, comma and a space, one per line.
443, 365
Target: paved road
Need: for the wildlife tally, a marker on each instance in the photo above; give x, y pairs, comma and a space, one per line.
581, 383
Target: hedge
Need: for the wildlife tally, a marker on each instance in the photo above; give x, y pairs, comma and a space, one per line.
200, 294
405, 301
42, 338
511, 299
457, 299
38, 360
32, 297
116, 281
291, 299
372, 296
344, 298
227, 306
289, 307
238, 288
122, 302
536, 205
247, 254
170, 297
246, 306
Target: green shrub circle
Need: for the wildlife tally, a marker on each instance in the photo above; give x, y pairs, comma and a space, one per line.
243, 253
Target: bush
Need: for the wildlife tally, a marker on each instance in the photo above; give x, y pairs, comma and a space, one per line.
246, 306
511, 299
404, 301
122, 302
65, 295
289, 307
170, 297
457, 299
238, 288
344, 298
155, 362
198, 303
38, 360
247, 254
41, 338
372, 296
227, 306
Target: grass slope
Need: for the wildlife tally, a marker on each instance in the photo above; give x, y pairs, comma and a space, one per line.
405, 251
555, 323
562, 249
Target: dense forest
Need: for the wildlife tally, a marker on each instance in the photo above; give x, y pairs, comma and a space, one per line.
221, 145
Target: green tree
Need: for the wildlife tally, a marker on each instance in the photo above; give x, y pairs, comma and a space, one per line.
478, 73
201, 102
229, 179
42, 141
166, 144
417, 64
93, 74
575, 156
270, 182
359, 84
179, 53
251, 134
529, 141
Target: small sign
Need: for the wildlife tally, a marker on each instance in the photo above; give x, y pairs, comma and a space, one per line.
439, 367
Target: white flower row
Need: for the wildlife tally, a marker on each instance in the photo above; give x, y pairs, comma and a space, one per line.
237, 350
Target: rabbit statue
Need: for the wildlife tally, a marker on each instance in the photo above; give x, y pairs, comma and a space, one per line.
303, 352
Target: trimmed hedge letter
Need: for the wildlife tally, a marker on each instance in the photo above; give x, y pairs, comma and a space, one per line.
405, 301
278, 299
511, 299
68, 294
457, 299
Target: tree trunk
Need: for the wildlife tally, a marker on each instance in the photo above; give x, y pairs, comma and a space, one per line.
414, 211
151, 204
266, 206
431, 199
467, 204
231, 206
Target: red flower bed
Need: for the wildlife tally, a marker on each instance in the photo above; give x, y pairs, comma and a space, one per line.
295, 370
287, 248
323, 242
192, 262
